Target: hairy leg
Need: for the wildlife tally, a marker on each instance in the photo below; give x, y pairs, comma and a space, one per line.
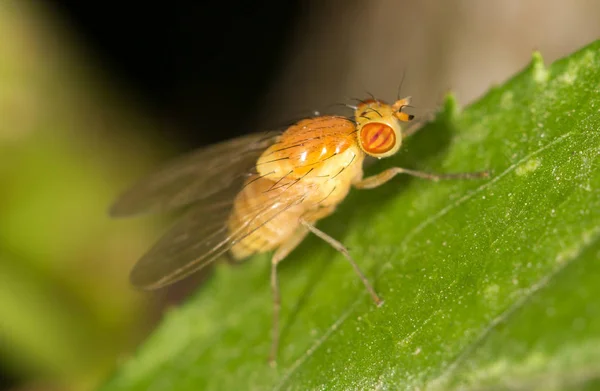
281, 252
340, 247
384, 176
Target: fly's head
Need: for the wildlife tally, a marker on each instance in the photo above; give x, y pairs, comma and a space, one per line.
380, 126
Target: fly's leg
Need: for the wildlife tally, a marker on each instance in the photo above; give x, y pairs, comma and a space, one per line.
281, 252
276, 307
340, 247
384, 176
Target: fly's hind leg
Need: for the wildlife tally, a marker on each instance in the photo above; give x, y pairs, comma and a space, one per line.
340, 247
384, 176
281, 252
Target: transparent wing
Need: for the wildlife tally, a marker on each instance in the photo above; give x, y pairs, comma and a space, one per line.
202, 236
195, 176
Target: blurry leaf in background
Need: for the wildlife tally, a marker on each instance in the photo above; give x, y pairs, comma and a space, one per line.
487, 284
66, 307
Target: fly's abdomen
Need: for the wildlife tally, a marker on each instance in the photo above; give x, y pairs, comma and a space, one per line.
263, 217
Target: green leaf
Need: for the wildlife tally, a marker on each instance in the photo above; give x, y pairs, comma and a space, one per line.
487, 283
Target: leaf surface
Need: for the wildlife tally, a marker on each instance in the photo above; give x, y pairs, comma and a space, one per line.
487, 284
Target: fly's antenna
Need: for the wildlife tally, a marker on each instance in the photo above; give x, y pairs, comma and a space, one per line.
403, 106
410, 116
399, 105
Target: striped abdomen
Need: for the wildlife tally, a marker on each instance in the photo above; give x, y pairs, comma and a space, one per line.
267, 212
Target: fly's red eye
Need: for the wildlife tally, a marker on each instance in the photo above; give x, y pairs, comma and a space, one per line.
377, 138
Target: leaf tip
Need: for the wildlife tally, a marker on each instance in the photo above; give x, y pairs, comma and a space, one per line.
451, 107
538, 69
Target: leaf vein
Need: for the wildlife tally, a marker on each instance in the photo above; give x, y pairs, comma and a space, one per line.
588, 238
316, 345
478, 190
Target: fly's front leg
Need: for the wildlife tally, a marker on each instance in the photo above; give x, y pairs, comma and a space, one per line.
384, 176
281, 252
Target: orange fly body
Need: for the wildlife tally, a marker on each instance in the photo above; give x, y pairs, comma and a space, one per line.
265, 192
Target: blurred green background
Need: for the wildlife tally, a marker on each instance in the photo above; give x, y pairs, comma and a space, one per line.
91, 98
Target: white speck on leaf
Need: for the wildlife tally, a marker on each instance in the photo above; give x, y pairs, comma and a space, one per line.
528, 167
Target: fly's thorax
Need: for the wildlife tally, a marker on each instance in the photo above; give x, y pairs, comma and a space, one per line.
330, 167
326, 182
307, 147
333, 180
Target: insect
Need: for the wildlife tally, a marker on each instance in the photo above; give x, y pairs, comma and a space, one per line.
265, 192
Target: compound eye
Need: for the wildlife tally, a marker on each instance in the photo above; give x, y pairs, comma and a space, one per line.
378, 139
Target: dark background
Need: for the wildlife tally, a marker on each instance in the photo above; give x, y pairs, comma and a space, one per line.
203, 66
